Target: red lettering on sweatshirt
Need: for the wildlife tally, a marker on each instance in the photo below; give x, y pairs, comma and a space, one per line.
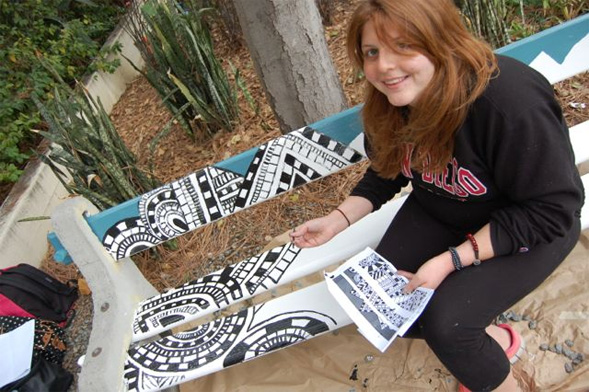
454, 179
471, 184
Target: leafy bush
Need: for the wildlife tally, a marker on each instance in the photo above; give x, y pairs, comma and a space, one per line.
181, 65
531, 16
97, 163
68, 35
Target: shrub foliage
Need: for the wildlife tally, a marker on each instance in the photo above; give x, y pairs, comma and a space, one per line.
181, 65
66, 34
87, 154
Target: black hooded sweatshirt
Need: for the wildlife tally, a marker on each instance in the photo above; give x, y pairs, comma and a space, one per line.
512, 166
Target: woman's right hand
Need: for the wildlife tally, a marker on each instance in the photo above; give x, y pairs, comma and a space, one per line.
318, 231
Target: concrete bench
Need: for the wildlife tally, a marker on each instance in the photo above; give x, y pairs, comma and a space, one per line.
126, 348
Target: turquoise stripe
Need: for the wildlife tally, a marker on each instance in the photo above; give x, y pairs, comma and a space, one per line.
556, 42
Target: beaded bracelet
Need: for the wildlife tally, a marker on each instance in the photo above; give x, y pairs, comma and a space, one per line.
345, 217
455, 259
475, 248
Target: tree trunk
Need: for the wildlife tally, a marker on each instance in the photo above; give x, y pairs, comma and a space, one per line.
290, 55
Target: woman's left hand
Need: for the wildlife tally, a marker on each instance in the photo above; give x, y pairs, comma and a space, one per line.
430, 274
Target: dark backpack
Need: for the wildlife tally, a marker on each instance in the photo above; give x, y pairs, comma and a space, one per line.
29, 292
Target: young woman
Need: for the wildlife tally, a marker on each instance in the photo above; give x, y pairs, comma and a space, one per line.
483, 142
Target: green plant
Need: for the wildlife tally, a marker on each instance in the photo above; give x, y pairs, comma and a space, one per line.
181, 65
87, 154
519, 30
531, 16
486, 19
64, 33
560, 9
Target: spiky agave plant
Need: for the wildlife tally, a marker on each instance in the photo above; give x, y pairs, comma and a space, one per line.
87, 154
182, 66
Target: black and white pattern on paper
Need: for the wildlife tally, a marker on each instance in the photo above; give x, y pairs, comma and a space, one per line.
411, 302
215, 290
213, 193
220, 343
357, 300
372, 298
384, 274
375, 266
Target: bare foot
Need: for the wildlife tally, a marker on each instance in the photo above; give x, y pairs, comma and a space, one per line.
500, 335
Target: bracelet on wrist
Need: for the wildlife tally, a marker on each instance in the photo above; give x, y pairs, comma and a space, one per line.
344, 215
475, 248
455, 259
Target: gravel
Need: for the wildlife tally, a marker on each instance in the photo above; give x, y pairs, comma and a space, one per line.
563, 349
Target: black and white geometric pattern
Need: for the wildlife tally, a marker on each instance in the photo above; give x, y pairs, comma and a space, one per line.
128, 237
411, 302
175, 209
213, 193
370, 299
384, 274
218, 344
216, 290
292, 160
355, 296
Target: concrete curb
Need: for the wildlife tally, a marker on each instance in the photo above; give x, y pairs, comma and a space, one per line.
117, 288
38, 191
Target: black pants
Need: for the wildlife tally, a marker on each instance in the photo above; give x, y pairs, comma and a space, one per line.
467, 301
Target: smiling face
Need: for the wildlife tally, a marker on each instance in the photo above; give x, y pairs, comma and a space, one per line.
394, 69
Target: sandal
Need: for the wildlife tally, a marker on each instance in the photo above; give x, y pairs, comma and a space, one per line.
513, 352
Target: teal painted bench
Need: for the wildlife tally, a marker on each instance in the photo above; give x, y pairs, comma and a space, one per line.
130, 347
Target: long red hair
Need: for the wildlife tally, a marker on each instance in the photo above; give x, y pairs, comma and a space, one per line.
463, 66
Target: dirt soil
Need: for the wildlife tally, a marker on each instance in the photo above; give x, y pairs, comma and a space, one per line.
139, 116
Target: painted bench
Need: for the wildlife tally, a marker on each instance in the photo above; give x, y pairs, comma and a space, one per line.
126, 348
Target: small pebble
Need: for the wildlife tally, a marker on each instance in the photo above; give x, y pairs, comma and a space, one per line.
580, 357
568, 367
532, 324
526, 317
544, 347
558, 348
569, 353
569, 342
369, 358
354, 374
552, 348
516, 317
